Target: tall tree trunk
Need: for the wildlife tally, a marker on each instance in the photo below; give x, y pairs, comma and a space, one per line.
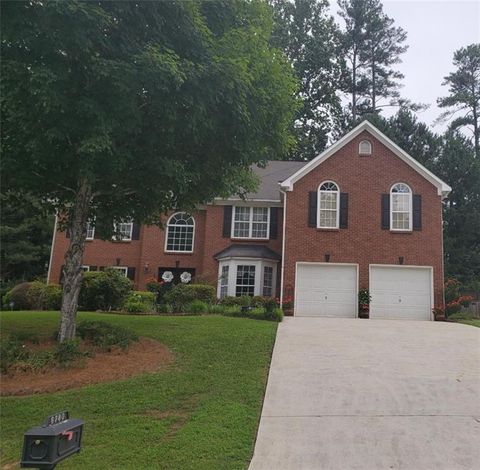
354, 86
72, 270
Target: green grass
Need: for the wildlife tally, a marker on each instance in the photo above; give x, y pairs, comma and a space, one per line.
201, 412
473, 322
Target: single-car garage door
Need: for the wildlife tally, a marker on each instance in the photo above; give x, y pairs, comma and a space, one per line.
401, 292
326, 290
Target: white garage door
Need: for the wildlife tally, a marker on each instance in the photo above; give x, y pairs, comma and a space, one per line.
401, 292
326, 290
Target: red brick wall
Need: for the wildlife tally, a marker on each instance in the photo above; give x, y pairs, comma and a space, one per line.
364, 242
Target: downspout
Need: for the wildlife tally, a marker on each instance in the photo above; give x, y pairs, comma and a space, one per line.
51, 250
282, 268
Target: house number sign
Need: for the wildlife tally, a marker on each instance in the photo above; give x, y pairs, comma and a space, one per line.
56, 418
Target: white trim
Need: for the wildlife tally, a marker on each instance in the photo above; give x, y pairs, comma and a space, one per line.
51, 250
121, 268
325, 264
250, 224
282, 266
406, 266
369, 152
193, 234
337, 213
86, 268
443, 188
246, 202
410, 209
123, 239
93, 233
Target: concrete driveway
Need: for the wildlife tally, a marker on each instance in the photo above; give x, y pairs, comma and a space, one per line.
371, 394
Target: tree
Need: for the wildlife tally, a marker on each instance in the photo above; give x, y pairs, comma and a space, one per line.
310, 40
372, 45
464, 89
125, 110
25, 235
458, 166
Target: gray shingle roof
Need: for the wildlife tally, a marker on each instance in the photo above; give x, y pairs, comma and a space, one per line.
247, 251
271, 175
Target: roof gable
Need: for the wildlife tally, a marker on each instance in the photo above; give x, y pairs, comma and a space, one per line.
442, 187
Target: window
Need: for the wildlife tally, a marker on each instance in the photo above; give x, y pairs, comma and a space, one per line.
180, 230
328, 206
90, 231
365, 147
251, 222
401, 207
267, 281
224, 282
123, 231
85, 268
122, 269
245, 280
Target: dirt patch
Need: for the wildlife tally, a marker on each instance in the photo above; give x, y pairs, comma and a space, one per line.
146, 355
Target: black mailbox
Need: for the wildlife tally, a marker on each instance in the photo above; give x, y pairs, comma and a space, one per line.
58, 438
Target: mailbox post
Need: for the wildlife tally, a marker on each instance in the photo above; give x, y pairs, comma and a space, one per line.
46, 445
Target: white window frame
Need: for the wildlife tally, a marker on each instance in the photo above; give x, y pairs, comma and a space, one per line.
252, 286
250, 223
264, 286
369, 151
223, 281
121, 268
410, 209
123, 239
85, 268
92, 227
259, 264
193, 234
337, 212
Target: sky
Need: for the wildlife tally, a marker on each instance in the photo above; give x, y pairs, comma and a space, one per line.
436, 29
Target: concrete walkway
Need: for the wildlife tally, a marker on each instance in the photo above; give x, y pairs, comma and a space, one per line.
371, 394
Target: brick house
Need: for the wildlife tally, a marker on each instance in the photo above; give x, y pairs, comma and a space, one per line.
363, 214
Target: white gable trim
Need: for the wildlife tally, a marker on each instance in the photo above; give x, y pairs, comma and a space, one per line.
442, 187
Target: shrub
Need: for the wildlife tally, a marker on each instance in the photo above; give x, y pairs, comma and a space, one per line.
164, 308
275, 315
11, 351
183, 294
67, 352
43, 296
18, 296
140, 302
461, 316
135, 306
104, 290
197, 306
232, 311
216, 309
243, 301
105, 335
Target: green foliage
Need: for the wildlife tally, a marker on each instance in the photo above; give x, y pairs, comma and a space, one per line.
67, 352
306, 33
18, 296
260, 301
25, 237
164, 308
270, 305
242, 301
140, 302
196, 306
216, 309
104, 290
183, 294
105, 335
275, 314
364, 297
43, 296
11, 352
464, 89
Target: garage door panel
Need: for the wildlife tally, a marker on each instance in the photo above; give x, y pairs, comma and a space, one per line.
326, 290
400, 292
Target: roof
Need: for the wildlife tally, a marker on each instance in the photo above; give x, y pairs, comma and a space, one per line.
247, 251
442, 187
270, 178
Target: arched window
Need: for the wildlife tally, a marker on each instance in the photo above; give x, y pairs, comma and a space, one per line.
180, 233
401, 207
365, 147
328, 205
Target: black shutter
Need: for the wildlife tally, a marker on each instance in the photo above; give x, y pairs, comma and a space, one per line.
385, 211
135, 231
131, 273
227, 221
312, 209
273, 222
93, 268
417, 212
344, 210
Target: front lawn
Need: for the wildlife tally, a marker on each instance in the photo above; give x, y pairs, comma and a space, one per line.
473, 322
200, 413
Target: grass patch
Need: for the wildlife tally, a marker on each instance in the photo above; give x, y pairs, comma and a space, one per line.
201, 413
473, 322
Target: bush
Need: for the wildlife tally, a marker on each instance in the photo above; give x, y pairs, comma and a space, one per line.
216, 309
243, 301
18, 296
254, 313
105, 335
43, 296
104, 290
260, 301
140, 302
183, 294
197, 306
232, 311
461, 316
67, 352
11, 352
275, 315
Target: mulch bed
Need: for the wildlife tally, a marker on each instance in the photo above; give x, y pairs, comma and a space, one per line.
146, 355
